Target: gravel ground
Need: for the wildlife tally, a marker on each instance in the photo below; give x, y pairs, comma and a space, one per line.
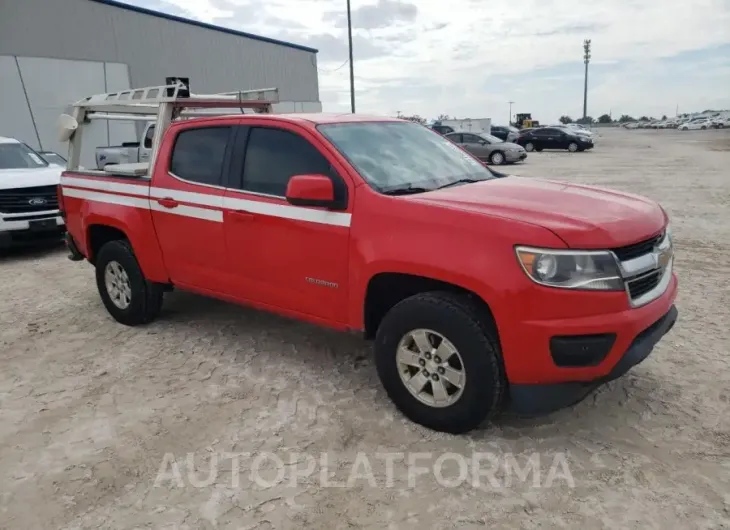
97, 420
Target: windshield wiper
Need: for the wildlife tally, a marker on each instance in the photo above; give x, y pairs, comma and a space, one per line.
460, 181
405, 190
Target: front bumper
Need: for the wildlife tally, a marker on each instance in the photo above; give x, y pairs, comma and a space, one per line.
537, 399
515, 156
30, 229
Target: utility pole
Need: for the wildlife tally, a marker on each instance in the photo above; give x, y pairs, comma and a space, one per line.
586, 60
509, 122
352, 66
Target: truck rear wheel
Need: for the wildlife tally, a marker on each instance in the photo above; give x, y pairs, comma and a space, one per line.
125, 292
439, 362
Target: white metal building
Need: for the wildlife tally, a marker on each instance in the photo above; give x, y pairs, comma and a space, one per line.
55, 52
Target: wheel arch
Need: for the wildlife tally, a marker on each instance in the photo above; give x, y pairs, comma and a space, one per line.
385, 289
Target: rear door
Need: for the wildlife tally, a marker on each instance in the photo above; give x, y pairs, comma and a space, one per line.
281, 255
186, 199
543, 138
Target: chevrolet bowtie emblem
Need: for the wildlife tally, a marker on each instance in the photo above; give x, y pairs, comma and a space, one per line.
662, 257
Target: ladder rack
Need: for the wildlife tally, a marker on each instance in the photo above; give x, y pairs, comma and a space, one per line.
148, 100
162, 104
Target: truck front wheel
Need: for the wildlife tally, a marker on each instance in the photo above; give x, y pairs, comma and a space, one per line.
439, 362
125, 292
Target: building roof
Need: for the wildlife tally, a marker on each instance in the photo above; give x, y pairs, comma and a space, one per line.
213, 27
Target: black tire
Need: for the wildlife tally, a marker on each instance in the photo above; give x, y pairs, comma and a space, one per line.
538, 149
500, 159
703, 127
461, 321
146, 297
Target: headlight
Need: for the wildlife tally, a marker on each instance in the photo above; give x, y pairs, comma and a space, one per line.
571, 269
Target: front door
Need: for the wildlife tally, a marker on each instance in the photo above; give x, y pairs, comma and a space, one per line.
282, 255
187, 203
476, 146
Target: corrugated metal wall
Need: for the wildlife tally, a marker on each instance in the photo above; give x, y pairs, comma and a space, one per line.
55, 52
37, 90
154, 47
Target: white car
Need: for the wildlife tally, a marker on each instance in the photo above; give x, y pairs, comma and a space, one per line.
721, 122
28, 196
696, 125
576, 129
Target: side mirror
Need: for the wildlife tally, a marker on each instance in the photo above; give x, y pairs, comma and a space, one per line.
310, 190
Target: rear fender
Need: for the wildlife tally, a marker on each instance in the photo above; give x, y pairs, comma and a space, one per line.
136, 224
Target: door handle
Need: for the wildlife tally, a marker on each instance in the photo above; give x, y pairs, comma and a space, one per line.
168, 202
242, 216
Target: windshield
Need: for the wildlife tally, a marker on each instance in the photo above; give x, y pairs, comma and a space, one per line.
401, 155
19, 156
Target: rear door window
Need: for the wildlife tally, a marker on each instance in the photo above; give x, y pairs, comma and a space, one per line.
198, 155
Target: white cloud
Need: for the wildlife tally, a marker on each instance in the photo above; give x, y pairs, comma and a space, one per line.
431, 57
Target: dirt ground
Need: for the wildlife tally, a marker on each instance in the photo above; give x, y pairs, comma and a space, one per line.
284, 421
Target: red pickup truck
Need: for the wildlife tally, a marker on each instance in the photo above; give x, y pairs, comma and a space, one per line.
481, 291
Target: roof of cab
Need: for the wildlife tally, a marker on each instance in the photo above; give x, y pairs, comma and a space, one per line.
5, 140
316, 118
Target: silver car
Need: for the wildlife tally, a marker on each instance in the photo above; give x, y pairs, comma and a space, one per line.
488, 148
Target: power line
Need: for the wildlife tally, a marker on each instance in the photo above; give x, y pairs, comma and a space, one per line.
332, 71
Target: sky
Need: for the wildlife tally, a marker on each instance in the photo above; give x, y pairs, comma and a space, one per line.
469, 58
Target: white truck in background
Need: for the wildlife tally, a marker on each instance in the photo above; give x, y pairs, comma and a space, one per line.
479, 125
128, 152
28, 195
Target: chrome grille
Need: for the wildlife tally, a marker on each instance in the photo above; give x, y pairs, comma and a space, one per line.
646, 268
28, 200
643, 284
637, 249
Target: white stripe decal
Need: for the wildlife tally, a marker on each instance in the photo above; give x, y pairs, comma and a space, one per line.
121, 200
283, 211
288, 212
102, 185
190, 211
186, 196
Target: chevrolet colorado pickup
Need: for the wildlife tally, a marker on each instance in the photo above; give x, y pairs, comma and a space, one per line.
480, 293
28, 196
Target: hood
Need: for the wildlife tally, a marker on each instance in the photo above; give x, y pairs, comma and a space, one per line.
582, 216
509, 146
28, 178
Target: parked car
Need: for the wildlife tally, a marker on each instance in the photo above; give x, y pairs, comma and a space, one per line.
577, 130
489, 148
474, 288
28, 196
506, 133
696, 125
554, 138
721, 122
442, 129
